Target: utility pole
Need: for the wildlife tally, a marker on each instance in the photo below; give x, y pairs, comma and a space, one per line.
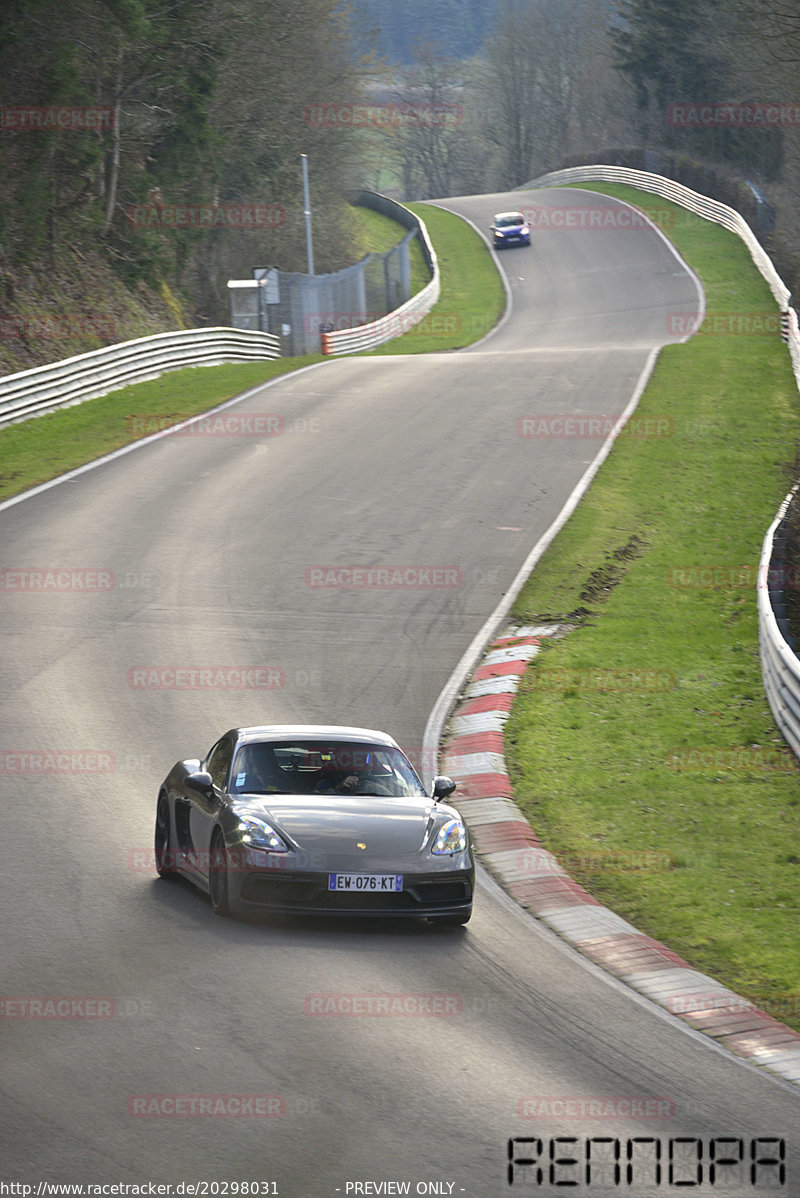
307, 214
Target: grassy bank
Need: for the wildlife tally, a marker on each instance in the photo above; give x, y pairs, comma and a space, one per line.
472, 298
46, 446
642, 747
379, 233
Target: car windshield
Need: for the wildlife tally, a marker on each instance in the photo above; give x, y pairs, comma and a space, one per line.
506, 219
323, 767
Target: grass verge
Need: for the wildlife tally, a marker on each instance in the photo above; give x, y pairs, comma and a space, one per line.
472, 298
45, 446
471, 302
646, 729
379, 233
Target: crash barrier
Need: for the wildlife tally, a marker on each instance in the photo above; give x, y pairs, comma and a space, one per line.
668, 189
87, 376
399, 321
355, 308
780, 666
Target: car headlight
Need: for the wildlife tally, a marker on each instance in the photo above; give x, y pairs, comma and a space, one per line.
257, 834
451, 838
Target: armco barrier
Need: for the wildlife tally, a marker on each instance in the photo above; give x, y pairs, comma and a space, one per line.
780, 666
394, 324
668, 189
87, 376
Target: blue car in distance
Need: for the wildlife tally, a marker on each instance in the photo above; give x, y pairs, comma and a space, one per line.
510, 228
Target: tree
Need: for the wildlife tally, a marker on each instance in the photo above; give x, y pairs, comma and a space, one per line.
288, 67
546, 78
702, 52
209, 106
430, 135
663, 49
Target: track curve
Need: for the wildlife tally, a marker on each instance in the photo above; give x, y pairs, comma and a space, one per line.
211, 542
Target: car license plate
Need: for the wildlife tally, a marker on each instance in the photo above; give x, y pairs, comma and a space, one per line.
369, 883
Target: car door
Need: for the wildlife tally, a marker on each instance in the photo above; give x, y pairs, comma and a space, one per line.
206, 805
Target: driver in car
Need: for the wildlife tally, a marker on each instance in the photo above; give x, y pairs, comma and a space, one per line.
359, 779
257, 771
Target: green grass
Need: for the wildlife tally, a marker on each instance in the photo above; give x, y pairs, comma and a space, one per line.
599, 760
378, 233
472, 298
45, 446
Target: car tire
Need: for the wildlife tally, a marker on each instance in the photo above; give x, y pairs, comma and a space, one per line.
164, 855
218, 875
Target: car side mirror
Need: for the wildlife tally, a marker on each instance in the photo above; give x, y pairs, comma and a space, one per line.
200, 780
442, 787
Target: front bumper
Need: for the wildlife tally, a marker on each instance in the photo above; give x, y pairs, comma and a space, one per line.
307, 893
513, 239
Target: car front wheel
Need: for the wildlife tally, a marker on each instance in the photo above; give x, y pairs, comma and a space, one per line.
165, 858
218, 876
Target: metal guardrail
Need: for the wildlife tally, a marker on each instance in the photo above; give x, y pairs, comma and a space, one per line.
88, 376
668, 189
394, 324
780, 666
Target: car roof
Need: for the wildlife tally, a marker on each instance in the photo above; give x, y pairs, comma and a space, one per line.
312, 732
509, 215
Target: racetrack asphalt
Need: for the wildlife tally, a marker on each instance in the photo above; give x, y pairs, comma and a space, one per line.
206, 550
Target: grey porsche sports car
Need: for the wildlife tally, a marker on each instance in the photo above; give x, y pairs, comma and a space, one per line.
315, 819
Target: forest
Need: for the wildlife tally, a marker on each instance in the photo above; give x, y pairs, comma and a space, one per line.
150, 149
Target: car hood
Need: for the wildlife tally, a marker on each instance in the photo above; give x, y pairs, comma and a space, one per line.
339, 823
